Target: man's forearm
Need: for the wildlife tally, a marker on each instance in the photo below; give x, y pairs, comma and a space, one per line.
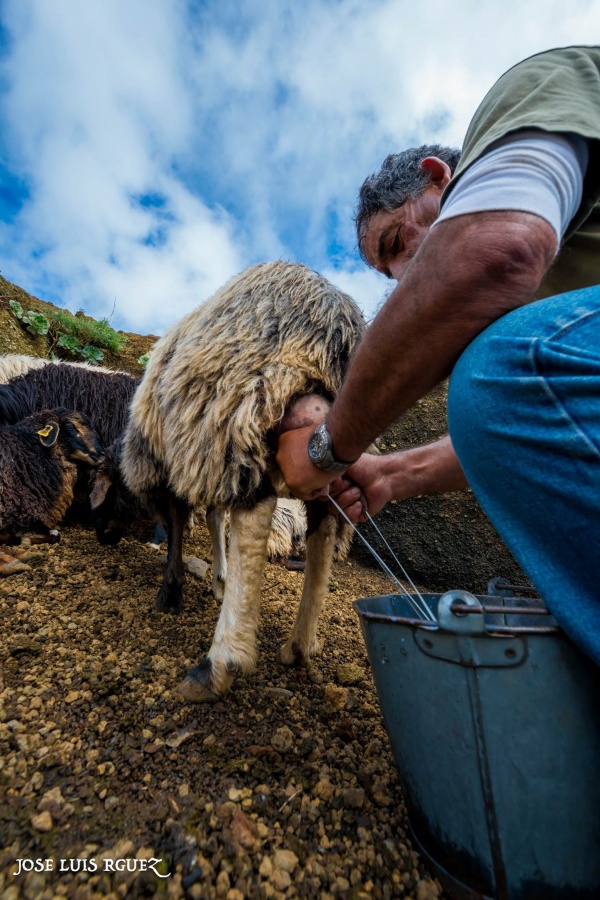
429, 469
468, 272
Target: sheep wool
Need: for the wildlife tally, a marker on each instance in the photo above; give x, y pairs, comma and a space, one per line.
29, 384
14, 365
218, 383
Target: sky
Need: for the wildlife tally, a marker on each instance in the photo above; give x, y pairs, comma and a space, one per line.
152, 149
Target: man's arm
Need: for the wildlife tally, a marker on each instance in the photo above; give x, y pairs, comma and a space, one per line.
468, 272
375, 480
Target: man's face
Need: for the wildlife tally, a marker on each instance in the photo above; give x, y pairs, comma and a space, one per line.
393, 238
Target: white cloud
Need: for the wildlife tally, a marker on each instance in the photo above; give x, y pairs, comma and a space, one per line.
166, 146
367, 287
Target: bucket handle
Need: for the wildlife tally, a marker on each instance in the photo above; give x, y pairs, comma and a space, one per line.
460, 622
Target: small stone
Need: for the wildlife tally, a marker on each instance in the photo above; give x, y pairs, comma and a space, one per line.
35, 883
314, 675
281, 880
42, 822
336, 696
353, 798
282, 693
283, 739
324, 790
72, 696
195, 566
22, 645
266, 867
286, 860
222, 884
244, 831
427, 890
176, 740
11, 893
349, 673
382, 799
51, 801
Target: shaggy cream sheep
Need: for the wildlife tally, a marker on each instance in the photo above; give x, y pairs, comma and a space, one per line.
203, 430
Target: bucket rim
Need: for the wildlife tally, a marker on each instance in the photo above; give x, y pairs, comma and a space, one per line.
490, 628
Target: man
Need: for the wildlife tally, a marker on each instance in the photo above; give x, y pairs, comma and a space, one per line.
470, 253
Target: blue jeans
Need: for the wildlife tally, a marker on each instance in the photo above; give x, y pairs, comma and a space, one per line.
524, 418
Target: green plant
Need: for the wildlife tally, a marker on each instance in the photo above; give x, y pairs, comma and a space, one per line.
143, 360
36, 323
70, 343
92, 354
75, 334
88, 331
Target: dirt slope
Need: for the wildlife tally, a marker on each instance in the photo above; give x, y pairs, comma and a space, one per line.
286, 788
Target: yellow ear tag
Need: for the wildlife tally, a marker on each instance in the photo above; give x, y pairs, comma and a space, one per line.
44, 432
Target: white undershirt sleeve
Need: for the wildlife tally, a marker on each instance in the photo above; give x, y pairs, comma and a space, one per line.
530, 171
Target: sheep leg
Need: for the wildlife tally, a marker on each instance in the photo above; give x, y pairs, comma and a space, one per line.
234, 644
215, 521
320, 544
170, 595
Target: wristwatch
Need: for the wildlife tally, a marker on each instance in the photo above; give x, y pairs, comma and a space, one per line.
320, 452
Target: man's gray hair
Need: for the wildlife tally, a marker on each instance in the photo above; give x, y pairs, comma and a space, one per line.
399, 179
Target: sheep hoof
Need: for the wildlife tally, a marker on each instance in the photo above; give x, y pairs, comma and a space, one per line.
194, 686
292, 655
169, 600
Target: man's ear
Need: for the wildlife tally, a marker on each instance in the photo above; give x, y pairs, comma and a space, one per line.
439, 172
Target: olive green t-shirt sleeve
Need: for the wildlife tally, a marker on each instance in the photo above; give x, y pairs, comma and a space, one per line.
557, 91
578, 263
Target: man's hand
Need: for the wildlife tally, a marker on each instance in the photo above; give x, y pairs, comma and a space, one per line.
304, 480
365, 486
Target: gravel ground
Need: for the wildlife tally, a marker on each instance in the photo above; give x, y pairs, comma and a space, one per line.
285, 788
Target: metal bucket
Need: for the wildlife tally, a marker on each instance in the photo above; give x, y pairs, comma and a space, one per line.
494, 722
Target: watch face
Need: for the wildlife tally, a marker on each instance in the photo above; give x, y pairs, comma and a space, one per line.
317, 445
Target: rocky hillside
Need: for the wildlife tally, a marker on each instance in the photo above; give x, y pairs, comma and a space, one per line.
15, 338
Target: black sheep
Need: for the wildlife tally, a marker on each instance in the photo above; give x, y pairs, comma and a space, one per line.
101, 395
40, 458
